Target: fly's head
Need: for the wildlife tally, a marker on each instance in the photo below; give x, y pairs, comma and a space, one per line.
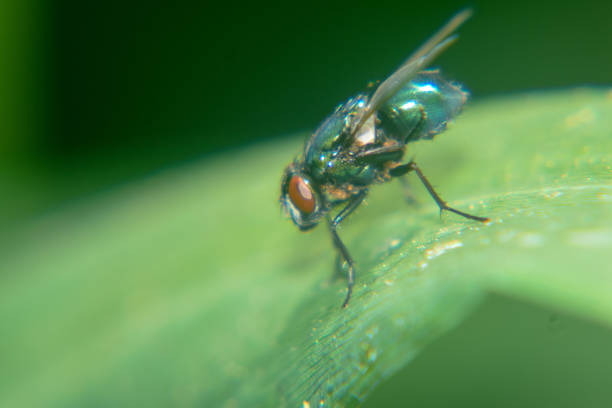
300, 198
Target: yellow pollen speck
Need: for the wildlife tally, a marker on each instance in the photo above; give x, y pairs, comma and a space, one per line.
604, 197
305, 404
554, 194
582, 117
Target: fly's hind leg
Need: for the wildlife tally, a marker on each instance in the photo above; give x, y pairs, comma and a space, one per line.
412, 166
340, 247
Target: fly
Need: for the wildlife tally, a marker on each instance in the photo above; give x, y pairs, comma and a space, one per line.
364, 140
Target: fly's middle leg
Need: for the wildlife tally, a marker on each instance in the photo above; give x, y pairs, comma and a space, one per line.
412, 166
340, 247
407, 191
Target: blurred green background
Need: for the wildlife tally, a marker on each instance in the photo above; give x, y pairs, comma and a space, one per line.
97, 94
94, 96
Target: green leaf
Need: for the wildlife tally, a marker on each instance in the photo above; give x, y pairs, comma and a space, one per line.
190, 289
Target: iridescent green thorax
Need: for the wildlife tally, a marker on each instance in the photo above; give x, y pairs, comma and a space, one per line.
327, 155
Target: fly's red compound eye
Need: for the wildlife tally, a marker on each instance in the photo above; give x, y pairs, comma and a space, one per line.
301, 195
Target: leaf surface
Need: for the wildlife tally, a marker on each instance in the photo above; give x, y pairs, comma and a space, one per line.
190, 289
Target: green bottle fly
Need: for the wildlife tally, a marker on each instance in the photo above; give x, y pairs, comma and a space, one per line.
363, 142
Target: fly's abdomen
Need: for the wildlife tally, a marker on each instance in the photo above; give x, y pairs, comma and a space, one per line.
422, 108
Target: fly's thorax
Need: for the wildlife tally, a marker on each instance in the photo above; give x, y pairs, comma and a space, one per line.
324, 164
422, 108
327, 155
301, 198
332, 135
339, 167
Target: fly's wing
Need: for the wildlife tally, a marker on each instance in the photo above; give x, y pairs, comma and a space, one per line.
441, 35
418, 61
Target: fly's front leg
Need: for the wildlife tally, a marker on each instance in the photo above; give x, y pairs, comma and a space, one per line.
342, 250
412, 166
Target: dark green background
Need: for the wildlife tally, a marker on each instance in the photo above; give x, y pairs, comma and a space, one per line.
100, 94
